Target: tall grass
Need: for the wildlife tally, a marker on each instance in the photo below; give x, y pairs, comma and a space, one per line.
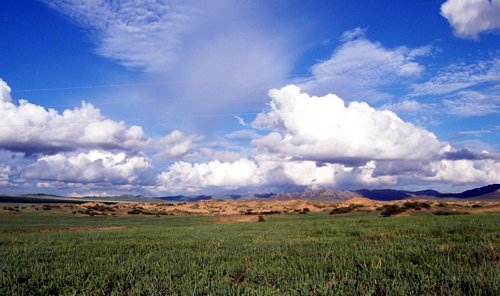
315, 254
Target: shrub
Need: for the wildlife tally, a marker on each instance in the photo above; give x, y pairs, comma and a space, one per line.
261, 219
425, 205
391, 210
477, 206
447, 213
100, 208
416, 205
270, 212
134, 212
345, 210
342, 210
249, 212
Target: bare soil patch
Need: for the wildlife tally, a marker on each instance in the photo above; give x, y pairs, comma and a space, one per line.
234, 219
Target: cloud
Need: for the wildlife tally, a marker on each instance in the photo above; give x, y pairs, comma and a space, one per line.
176, 144
96, 166
309, 173
263, 172
473, 103
359, 69
29, 128
319, 141
325, 129
465, 89
206, 154
5, 172
212, 56
464, 153
472, 133
183, 176
137, 34
85, 194
5, 92
407, 106
466, 171
243, 134
469, 18
461, 76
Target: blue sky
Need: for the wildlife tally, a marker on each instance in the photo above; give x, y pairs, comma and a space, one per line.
234, 96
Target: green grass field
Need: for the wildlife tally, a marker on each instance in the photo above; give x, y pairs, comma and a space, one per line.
313, 254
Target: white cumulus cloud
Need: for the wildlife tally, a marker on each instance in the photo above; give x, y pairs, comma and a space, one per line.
325, 129
469, 18
321, 141
96, 166
466, 171
183, 176
176, 144
265, 171
27, 127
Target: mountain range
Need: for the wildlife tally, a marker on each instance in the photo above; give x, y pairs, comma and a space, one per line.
489, 192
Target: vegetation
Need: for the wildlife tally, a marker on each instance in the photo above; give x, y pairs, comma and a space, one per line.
314, 254
391, 210
416, 205
344, 210
449, 212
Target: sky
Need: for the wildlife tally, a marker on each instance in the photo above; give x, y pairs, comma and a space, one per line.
195, 97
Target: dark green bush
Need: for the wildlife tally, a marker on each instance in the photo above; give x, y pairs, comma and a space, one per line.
342, 210
391, 210
416, 205
448, 213
134, 212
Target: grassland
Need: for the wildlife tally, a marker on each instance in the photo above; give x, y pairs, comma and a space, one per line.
312, 254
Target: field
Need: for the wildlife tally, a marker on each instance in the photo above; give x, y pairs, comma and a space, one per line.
314, 253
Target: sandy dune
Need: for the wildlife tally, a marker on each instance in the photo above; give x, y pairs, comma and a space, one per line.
245, 211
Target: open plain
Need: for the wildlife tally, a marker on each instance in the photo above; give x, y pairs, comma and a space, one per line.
363, 247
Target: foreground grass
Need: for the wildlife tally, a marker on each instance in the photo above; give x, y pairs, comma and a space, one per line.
294, 255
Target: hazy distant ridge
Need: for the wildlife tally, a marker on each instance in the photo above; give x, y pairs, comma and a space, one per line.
489, 192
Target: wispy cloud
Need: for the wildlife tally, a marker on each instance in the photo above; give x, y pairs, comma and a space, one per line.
360, 69
222, 55
460, 76
409, 106
138, 34
464, 89
473, 103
